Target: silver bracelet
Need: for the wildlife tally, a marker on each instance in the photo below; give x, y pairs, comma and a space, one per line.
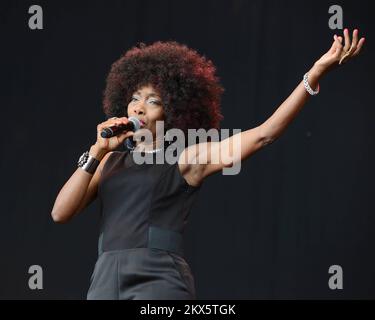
88, 163
307, 86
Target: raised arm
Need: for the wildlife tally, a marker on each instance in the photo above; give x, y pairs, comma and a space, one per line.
245, 143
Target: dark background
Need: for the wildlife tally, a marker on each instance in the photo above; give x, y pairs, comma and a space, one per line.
297, 207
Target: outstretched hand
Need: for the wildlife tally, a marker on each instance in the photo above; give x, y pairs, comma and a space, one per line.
339, 53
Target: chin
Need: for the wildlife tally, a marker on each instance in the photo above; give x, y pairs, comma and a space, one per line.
143, 132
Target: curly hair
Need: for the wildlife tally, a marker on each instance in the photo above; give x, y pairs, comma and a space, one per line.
186, 81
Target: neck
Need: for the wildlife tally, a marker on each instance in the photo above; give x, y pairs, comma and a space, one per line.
143, 146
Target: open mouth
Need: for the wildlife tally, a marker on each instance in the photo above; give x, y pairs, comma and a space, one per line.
142, 123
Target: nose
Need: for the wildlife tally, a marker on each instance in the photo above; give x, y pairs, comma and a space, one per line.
139, 108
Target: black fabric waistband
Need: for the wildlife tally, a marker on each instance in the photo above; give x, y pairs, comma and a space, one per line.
158, 238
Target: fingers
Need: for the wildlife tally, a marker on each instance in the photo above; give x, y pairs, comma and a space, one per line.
359, 47
338, 47
335, 44
351, 49
117, 121
355, 41
338, 41
347, 39
113, 122
353, 46
110, 123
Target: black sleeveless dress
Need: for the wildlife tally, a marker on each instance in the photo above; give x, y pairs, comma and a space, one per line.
144, 209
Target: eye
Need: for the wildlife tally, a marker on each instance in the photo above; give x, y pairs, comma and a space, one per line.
133, 99
157, 102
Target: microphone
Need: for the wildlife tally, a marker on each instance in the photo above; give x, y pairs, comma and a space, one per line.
133, 125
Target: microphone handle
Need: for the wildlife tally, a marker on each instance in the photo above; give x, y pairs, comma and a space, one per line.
116, 130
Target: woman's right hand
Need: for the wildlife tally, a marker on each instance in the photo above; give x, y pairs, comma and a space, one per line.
104, 145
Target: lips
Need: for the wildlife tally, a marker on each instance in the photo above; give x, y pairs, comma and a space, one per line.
142, 123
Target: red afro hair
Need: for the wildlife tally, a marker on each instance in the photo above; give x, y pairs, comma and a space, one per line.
186, 81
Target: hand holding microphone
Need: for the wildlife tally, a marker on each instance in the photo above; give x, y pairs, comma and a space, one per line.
113, 132
131, 124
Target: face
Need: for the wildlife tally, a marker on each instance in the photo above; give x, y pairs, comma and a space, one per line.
146, 105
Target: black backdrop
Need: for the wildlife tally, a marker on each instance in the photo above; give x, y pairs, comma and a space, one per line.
298, 206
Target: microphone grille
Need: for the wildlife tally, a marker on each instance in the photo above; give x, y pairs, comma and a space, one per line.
136, 123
